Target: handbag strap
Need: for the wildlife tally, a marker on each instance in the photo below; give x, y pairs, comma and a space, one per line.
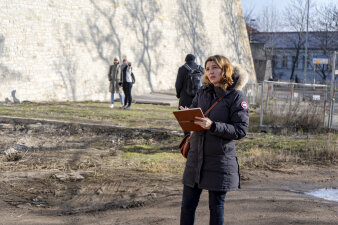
213, 105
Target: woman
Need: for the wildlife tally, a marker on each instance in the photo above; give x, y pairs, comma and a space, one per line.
212, 163
114, 77
128, 81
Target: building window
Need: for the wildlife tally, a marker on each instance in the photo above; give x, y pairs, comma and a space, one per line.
285, 62
274, 61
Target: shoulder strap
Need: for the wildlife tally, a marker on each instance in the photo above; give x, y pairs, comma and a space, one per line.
213, 105
188, 67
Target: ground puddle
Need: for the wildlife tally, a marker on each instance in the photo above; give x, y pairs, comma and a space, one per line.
325, 193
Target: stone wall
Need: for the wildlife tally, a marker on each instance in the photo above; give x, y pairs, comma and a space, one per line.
57, 50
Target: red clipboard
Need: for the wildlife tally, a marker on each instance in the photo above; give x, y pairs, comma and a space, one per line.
186, 119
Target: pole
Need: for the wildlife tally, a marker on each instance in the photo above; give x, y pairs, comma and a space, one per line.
332, 90
306, 46
262, 106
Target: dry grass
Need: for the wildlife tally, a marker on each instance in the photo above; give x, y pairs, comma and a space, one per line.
269, 149
306, 117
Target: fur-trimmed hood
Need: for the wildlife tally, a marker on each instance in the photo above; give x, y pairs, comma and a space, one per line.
241, 77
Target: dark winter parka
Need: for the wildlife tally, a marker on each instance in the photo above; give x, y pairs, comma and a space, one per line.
212, 162
181, 84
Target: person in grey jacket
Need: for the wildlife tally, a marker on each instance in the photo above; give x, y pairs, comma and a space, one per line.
212, 162
115, 81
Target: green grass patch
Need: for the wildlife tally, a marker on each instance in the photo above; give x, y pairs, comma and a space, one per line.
141, 115
157, 162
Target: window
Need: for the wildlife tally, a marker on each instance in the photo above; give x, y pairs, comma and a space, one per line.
274, 61
285, 62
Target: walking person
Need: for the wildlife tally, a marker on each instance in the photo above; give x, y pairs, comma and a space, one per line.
212, 162
123, 66
128, 80
188, 81
114, 77
181, 84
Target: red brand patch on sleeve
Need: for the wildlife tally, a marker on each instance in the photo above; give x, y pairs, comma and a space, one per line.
244, 105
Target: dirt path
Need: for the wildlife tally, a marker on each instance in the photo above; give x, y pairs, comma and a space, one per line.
266, 198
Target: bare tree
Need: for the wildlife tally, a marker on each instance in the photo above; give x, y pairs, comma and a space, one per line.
249, 14
326, 23
295, 17
326, 17
269, 21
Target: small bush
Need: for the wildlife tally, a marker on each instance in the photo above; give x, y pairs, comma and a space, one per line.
301, 116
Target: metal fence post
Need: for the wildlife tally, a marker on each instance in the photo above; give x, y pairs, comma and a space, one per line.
267, 98
332, 90
262, 106
292, 94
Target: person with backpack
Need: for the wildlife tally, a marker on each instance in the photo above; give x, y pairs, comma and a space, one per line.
188, 81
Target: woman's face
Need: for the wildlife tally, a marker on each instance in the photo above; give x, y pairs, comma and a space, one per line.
214, 73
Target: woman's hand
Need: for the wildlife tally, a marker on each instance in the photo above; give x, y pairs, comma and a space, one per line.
183, 108
203, 122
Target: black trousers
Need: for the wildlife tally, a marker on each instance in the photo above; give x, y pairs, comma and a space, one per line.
127, 93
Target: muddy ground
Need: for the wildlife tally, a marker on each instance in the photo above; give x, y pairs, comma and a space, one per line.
74, 174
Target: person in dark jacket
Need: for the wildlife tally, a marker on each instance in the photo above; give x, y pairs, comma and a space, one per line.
181, 81
212, 162
128, 79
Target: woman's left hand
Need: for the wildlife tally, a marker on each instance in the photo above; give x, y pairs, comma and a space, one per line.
203, 122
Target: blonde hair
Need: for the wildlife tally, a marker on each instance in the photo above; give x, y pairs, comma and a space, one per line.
227, 71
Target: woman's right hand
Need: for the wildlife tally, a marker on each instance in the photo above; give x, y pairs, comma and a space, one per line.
183, 108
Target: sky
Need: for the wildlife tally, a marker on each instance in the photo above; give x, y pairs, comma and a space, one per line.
259, 5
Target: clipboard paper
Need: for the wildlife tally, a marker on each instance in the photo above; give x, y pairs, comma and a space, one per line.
186, 119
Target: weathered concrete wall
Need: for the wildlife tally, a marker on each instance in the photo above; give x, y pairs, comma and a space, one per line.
56, 50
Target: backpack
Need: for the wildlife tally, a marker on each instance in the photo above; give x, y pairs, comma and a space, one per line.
194, 80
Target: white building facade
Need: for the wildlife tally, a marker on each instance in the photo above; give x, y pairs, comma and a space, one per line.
59, 50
